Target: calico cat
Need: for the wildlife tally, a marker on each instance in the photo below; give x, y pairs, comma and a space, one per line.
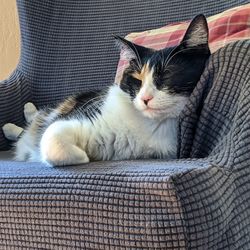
135, 119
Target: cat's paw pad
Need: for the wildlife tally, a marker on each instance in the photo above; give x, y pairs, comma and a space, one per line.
12, 131
29, 111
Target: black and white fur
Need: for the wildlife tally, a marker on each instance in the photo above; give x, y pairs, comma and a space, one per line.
135, 119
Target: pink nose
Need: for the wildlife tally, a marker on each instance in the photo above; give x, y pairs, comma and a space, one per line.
146, 99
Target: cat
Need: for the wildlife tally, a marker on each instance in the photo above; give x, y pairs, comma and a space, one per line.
135, 119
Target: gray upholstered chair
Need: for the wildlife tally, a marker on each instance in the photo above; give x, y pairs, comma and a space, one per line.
66, 46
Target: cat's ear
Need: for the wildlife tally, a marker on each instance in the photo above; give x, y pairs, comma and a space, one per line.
197, 33
131, 50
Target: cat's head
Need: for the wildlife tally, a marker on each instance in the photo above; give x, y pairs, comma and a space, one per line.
160, 82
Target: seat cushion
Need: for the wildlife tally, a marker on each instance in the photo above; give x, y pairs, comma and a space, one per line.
101, 205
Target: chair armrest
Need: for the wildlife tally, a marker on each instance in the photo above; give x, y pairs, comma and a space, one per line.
212, 207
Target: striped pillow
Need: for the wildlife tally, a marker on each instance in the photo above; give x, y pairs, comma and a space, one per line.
226, 27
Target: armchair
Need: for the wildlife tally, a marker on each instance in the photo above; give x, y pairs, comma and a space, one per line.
200, 201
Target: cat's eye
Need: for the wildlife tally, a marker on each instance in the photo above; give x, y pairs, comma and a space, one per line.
158, 82
136, 81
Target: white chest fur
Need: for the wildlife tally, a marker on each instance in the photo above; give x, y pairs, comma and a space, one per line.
122, 132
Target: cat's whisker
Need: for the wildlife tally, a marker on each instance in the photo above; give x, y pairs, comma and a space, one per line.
182, 42
158, 125
171, 57
95, 98
168, 56
137, 55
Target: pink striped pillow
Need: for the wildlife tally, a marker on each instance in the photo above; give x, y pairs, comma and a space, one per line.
226, 27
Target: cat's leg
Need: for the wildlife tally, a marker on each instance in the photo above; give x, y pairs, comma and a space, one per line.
59, 144
12, 132
30, 111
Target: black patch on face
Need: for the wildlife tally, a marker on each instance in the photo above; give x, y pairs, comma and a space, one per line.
130, 84
178, 70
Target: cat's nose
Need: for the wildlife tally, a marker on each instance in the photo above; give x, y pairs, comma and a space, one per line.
146, 99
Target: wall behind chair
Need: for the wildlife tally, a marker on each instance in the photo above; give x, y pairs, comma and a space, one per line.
9, 38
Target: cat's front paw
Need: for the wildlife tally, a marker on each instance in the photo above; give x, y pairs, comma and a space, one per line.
29, 111
12, 131
56, 151
54, 159
59, 147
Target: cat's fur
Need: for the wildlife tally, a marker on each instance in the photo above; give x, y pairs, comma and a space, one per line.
136, 119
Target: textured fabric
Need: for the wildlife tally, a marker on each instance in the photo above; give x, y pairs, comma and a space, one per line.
67, 46
226, 27
105, 205
215, 126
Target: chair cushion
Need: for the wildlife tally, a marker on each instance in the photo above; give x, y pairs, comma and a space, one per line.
101, 205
